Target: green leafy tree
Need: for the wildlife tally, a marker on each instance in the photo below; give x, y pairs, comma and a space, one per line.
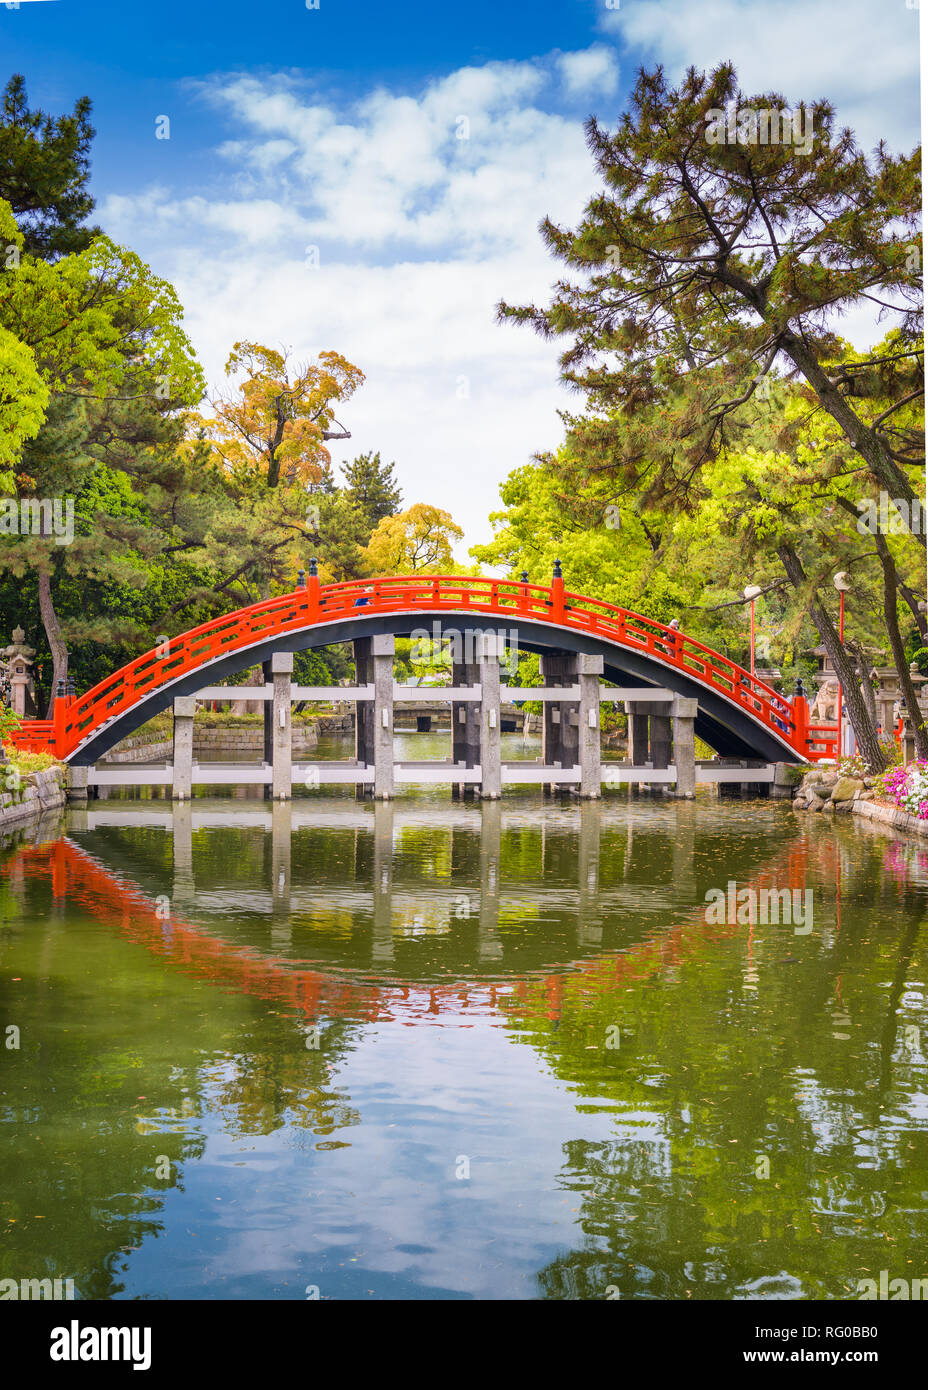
607, 547
99, 327
417, 541
372, 487
44, 172
708, 262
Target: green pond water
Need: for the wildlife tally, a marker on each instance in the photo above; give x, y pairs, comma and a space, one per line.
436, 1049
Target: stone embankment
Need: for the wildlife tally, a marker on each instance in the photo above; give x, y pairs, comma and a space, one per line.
38, 793
825, 791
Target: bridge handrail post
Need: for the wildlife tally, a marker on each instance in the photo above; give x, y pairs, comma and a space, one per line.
312, 588
557, 594
801, 719
59, 717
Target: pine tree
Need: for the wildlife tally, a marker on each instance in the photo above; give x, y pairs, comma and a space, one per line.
719, 254
372, 487
44, 169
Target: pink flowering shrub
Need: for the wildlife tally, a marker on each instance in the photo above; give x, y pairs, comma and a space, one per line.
907, 787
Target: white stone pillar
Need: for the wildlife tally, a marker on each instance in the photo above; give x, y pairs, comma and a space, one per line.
589, 673
78, 787
489, 650
182, 779
684, 746
282, 726
383, 647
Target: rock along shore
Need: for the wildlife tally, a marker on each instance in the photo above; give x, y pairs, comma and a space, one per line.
824, 790
40, 792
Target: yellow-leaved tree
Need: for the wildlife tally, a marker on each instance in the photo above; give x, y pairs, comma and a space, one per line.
417, 541
272, 428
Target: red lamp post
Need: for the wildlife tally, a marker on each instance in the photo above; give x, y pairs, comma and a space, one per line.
751, 593
842, 582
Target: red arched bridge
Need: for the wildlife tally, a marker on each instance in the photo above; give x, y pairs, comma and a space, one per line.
738, 715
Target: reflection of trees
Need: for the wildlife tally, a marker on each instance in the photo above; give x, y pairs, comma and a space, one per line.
111, 1077
709, 1079
735, 1045
269, 1085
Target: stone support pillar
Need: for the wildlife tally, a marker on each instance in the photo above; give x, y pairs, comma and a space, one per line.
281, 720
489, 651
589, 671
374, 721
182, 779
684, 746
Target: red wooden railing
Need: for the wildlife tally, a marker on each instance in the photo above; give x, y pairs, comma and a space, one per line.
77, 718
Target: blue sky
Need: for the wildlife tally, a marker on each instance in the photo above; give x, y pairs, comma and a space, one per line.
340, 129
135, 57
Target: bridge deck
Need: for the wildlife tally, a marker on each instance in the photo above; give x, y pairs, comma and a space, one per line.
738, 713
432, 770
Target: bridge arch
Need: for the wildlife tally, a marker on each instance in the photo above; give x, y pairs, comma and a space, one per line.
738, 715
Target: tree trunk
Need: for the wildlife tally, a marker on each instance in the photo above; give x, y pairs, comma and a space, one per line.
860, 436
911, 598
891, 615
864, 727
864, 669
56, 642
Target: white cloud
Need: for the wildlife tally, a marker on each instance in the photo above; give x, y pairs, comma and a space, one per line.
593, 70
420, 234
861, 56
444, 170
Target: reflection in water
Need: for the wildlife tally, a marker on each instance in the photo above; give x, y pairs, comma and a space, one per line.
425, 1049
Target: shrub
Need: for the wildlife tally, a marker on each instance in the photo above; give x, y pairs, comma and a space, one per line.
907, 787
9, 722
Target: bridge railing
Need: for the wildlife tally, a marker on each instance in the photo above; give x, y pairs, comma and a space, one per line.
75, 719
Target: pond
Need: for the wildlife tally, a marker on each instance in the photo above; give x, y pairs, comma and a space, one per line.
433, 1049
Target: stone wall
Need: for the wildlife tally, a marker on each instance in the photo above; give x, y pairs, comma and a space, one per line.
139, 750
40, 792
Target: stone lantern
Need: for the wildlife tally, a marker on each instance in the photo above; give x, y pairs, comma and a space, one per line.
17, 669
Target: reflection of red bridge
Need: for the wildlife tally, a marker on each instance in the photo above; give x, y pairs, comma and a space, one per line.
737, 714
77, 877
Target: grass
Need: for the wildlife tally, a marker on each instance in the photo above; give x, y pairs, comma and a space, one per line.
24, 763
